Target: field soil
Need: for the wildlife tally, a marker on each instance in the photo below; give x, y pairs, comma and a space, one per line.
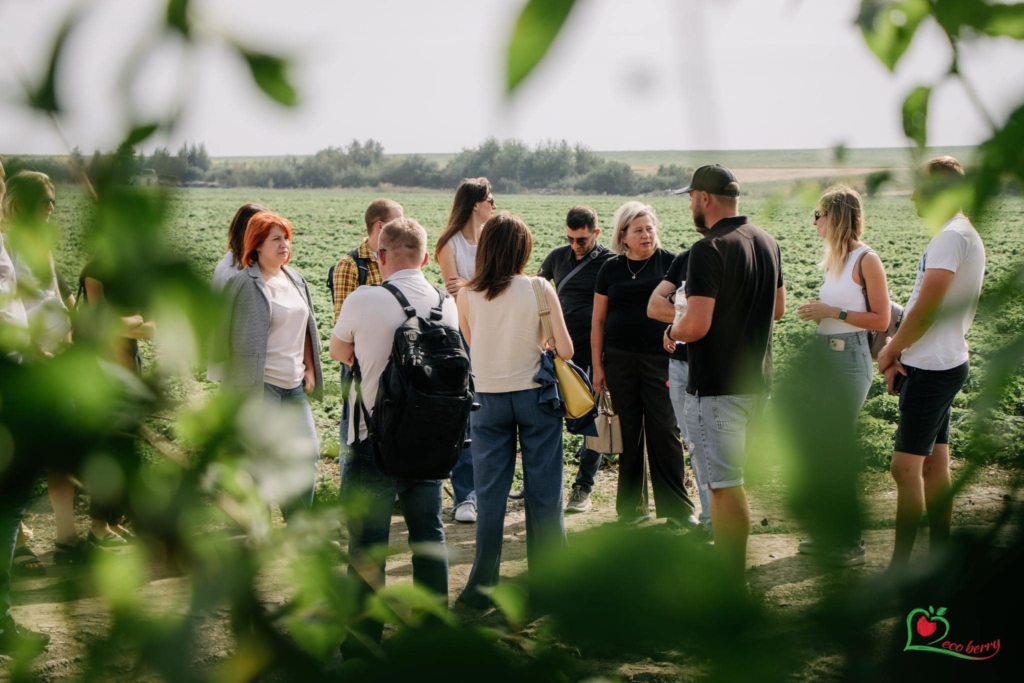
778, 575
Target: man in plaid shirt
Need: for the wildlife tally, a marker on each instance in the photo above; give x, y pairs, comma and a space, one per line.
346, 274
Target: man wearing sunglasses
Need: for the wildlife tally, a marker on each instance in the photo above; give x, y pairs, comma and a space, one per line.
573, 268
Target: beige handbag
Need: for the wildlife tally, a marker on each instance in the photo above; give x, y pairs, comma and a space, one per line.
609, 431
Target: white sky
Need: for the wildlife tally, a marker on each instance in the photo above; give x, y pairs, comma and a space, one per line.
426, 76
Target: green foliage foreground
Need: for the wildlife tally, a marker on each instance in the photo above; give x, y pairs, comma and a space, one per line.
613, 593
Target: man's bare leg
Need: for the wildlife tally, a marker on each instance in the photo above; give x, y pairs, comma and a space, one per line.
937, 489
730, 518
906, 470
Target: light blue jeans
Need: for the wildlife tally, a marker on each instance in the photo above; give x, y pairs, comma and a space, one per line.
503, 419
850, 369
678, 375
296, 397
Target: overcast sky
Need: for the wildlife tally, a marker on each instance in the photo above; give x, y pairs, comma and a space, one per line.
426, 76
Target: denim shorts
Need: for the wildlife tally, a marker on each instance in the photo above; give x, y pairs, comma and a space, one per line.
716, 427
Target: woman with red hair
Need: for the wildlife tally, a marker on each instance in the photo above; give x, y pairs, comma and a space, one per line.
272, 340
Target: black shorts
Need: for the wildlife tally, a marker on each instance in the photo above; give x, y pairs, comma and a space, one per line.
925, 401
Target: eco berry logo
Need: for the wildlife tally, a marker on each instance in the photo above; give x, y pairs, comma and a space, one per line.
924, 624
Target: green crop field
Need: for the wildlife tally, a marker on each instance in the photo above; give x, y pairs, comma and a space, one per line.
329, 222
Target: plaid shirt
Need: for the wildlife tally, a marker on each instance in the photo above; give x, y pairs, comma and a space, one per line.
346, 275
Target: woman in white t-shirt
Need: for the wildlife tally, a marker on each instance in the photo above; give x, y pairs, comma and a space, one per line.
500, 320
852, 271
455, 253
274, 347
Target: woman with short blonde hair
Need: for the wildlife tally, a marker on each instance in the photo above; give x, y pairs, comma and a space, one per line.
630, 360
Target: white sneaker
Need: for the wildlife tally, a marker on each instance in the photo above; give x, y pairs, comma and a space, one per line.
465, 512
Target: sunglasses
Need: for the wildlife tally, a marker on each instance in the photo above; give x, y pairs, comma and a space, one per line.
490, 200
581, 241
820, 214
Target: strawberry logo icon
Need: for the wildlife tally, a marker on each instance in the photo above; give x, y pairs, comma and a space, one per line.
925, 623
926, 627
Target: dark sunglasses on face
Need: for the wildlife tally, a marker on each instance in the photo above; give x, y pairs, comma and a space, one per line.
581, 241
490, 200
820, 214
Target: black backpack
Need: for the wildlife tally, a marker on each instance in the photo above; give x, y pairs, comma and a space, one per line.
362, 264
425, 395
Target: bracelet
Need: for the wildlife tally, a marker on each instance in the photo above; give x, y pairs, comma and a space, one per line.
668, 333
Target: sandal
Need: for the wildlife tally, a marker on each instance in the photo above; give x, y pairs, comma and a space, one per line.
67, 553
29, 564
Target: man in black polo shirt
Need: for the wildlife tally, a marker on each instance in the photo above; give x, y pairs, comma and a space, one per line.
573, 268
734, 293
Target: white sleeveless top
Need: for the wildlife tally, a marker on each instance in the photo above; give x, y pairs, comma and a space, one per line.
505, 335
465, 256
844, 293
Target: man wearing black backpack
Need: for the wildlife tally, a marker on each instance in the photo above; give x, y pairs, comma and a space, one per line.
364, 338
356, 268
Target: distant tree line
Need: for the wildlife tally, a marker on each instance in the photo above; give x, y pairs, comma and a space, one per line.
510, 165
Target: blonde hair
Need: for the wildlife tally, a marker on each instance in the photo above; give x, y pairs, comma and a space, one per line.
25, 190
405, 240
844, 223
626, 214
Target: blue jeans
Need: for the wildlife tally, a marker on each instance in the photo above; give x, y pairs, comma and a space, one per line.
305, 427
501, 418
678, 375
462, 473
590, 461
12, 509
369, 490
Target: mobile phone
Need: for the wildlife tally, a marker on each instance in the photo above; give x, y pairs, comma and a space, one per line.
897, 382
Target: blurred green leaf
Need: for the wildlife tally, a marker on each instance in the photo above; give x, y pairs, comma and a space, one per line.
44, 97
511, 601
994, 19
140, 134
177, 17
915, 115
874, 181
270, 74
1000, 155
889, 26
536, 29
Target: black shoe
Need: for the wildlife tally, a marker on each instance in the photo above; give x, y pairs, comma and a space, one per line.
18, 641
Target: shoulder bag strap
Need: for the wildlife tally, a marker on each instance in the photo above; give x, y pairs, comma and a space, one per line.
362, 266
863, 282
545, 312
586, 259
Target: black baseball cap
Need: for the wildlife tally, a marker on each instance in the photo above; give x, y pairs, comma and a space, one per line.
713, 179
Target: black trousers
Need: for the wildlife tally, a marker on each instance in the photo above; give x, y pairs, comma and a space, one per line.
638, 383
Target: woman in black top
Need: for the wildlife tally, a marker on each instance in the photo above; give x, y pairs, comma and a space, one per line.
630, 360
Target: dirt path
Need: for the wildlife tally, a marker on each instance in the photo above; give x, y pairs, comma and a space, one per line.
785, 579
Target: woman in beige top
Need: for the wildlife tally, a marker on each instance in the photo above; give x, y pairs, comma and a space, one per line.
500, 321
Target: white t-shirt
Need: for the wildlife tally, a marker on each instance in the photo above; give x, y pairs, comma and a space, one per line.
223, 272
369, 318
957, 248
13, 318
285, 364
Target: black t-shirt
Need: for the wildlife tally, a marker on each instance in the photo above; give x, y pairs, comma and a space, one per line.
627, 327
739, 266
677, 276
577, 295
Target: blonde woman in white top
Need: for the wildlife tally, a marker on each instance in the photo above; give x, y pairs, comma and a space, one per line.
455, 253
500, 321
843, 322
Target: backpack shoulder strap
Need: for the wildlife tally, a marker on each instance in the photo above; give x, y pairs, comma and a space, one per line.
362, 265
410, 311
437, 312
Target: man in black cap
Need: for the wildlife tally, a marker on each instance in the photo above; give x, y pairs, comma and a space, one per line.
734, 293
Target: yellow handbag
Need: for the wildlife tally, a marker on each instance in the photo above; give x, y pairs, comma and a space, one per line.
576, 396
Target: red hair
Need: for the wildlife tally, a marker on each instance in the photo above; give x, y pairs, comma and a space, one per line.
256, 233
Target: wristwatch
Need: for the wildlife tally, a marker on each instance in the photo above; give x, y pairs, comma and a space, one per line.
842, 314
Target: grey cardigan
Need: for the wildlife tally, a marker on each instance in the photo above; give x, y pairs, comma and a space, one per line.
248, 328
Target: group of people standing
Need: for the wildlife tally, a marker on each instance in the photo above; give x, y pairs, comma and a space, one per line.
681, 342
